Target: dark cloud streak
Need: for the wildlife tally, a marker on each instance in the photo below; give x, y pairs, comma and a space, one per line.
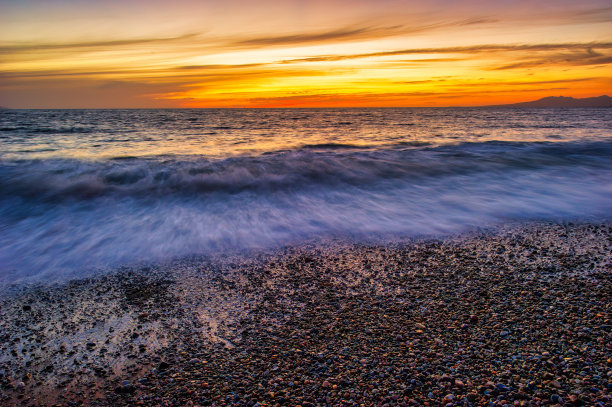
339, 34
354, 33
589, 57
16, 48
476, 49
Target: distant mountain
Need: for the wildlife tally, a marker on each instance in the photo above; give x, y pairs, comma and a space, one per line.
563, 101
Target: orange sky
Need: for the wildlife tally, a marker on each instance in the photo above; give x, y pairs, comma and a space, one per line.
238, 53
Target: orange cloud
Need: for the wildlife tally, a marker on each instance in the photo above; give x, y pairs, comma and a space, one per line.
409, 54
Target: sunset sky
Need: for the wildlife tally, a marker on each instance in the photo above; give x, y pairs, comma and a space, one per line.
300, 53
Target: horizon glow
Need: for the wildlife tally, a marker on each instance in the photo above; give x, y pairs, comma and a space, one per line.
129, 54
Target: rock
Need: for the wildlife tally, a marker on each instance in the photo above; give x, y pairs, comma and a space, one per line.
299, 342
502, 387
125, 387
445, 378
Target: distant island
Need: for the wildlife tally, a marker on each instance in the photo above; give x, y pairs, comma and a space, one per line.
564, 101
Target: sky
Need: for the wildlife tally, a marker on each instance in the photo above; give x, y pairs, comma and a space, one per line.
300, 53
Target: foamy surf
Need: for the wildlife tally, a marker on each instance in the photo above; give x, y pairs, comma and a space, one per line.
64, 216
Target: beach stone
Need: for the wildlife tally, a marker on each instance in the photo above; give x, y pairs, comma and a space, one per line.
125, 387
502, 387
298, 334
445, 378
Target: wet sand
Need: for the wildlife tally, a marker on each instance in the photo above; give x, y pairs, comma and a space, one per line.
515, 316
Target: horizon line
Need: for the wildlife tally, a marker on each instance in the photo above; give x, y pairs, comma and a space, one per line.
324, 107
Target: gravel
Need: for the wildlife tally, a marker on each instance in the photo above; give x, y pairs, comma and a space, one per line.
519, 315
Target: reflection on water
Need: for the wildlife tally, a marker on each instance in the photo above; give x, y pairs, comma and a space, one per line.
218, 133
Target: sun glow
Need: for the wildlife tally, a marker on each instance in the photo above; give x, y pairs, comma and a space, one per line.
391, 54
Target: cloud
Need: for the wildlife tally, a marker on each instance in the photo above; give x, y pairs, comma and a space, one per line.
419, 98
339, 34
218, 66
458, 83
526, 83
21, 47
353, 33
594, 15
586, 57
482, 20
475, 49
163, 72
350, 33
68, 73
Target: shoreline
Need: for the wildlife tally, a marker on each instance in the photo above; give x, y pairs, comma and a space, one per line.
520, 314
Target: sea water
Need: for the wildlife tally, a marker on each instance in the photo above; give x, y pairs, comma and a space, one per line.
84, 190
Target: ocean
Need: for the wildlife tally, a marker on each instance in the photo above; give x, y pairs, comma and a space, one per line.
82, 191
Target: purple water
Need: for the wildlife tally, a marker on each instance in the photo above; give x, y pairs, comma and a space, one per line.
82, 190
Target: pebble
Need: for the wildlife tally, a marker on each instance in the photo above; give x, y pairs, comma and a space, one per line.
399, 324
502, 387
125, 387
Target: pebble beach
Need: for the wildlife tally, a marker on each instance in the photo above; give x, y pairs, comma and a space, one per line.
514, 316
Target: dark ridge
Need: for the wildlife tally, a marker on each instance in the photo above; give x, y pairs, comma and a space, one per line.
564, 101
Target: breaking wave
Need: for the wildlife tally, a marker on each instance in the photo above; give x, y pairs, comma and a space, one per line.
65, 216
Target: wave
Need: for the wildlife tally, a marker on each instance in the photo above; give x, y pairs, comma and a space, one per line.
62, 217
49, 130
325, 165
334, 146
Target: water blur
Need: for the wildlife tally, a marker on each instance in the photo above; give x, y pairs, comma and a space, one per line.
82, 190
